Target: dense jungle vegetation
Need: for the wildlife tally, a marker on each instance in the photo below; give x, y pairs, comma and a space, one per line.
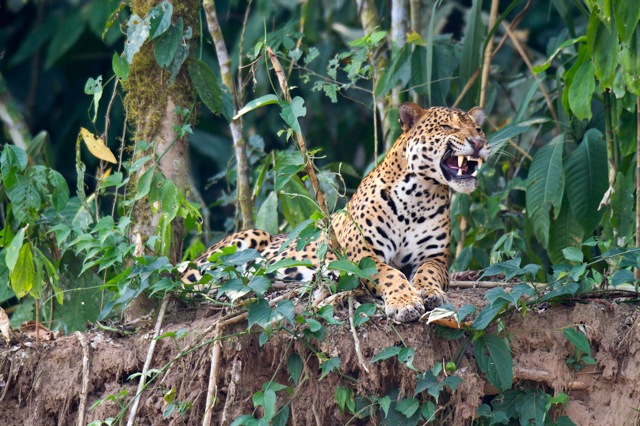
137, 133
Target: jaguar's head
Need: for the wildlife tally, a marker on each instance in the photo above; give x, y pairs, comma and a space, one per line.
445, 144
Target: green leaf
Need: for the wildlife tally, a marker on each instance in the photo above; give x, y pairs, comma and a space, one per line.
137, 34
257, 103
267, 218
342, 395
144, 183
604, 46
581, 90
429, 411
627, 15
622, 276
587, 179
23, 275
345, 265
363, 313
13, 250
385, 403
166, 46
269, 404
544, 66
566, 232
206, 85
120, 67
287, 263
494, 359
170, 199
545, 187
329, 365
291, 112
630, 62
488, 313
94, 87
386, 353
500, 137
160, 19
66, 35
25, 197
326, 313
408, 406
259, 284
58, 190
577, 339
472, 48
259, 313
294, 366
573, 254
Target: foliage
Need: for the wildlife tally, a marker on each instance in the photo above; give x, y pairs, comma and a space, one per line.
556, 197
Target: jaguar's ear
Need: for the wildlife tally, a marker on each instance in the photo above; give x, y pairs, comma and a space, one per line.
477, 114
409, 114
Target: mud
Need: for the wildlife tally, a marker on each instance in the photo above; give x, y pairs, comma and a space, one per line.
42, 384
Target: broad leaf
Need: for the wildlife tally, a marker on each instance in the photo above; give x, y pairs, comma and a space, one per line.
581, 90
257, 103
494, 359
137, 34
267, 218
545, 187
96, 146
23, 275
207, 85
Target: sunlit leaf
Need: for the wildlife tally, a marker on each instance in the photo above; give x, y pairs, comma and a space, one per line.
96, 146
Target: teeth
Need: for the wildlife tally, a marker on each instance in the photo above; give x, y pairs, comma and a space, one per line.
460, 160
479, 162
475, 172
459, 172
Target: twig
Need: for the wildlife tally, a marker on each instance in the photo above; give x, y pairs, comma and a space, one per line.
86, 375
356, 341
212, 389
236, 367
525, 58
487, 284
303, 149
7, 384
486, 67
240, 145
147, 363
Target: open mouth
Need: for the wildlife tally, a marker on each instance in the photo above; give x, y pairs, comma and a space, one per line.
460, 166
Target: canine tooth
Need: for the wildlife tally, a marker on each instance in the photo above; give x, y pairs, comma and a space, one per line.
459, 172
479, 162
460, 160
475, 172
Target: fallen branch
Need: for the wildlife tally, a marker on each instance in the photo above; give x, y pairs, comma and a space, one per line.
147, 362
86, 375
356, 341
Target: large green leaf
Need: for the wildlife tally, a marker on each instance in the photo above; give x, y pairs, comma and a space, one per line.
581, 90
630, 61
494, 359
207, 85
545, 187
564, 232
471, 58
66, 35
627, 14
603, 42
267, 218
23, 275
586, 177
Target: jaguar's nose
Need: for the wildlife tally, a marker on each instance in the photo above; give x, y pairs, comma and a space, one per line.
477, 144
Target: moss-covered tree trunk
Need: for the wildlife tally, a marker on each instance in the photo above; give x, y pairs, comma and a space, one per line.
150, 103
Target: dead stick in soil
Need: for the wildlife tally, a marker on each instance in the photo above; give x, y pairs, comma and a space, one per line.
147, 363
86, 375
313, 178
356, 341
212, 389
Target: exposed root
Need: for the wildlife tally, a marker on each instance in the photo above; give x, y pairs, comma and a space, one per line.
236, 368
212, 389
356, 341
86, 372
147, 363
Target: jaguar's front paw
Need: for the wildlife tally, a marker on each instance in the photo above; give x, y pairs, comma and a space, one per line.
404, 307
433, 296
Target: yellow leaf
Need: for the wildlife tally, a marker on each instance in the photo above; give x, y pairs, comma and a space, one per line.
415, 38
96, 146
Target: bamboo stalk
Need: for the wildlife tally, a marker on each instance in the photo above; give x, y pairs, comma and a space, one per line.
313, 178
239, 144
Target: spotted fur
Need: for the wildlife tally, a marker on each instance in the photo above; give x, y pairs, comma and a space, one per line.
399, 215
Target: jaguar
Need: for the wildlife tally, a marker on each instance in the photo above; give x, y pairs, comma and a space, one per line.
399, 214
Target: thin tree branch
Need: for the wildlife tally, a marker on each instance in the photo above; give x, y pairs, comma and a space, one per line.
313, 178
240, 145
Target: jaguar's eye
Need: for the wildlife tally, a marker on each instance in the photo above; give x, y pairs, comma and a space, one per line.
446, 127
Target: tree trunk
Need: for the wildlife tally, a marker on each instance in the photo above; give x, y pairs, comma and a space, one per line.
150, 103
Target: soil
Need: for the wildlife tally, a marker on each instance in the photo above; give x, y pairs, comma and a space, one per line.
41, 384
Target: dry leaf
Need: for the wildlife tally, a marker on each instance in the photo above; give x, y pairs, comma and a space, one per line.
96, 146
445, 318
5, 326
